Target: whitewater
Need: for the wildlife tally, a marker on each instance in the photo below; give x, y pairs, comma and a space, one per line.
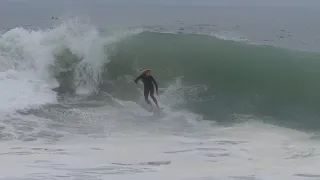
233, 110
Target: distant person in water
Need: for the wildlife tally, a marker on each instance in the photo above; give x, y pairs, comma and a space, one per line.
148, 82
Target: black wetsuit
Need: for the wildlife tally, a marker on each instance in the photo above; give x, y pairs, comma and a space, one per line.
148, 82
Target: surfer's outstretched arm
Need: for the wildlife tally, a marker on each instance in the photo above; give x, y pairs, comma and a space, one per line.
137, 79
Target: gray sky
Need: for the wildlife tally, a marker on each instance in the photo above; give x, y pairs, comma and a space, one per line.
33, 12
289, 3
307, 3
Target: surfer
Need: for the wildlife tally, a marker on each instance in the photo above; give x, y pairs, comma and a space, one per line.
148, 81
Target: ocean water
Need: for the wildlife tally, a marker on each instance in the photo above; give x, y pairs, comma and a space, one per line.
239, 87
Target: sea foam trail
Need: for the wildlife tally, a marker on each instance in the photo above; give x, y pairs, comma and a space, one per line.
30, 62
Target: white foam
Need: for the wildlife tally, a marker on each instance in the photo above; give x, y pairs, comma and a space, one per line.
250, 149
229, 35
19, 91
25, 56
178, 93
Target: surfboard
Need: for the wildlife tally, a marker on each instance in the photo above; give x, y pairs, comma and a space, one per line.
154, 110
157, 111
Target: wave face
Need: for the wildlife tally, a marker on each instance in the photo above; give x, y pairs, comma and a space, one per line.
216, 78
221, 78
